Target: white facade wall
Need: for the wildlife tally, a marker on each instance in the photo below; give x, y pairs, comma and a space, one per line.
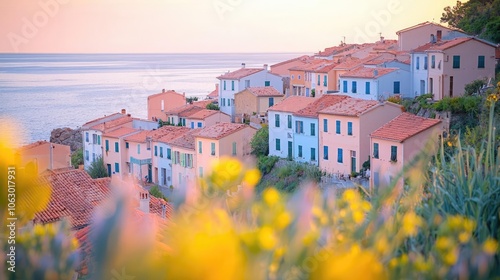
419, 77
91, 150
307, 140
283, 133
163, 163
380, 88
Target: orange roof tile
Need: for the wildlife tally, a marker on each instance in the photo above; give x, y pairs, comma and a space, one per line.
310, 65
168, 92
304, 57
424, 24
203, 114
34, 145
325, 68
335, 50
185, 140
198, 104
120, 132
153, 134
403, 127
215, 93
319, 104
220, 130
190, 111
353, 62
368, 73
177, 131
240, 73
292, 104
263, 91
443, 45
101, 119
350, 107
106, 126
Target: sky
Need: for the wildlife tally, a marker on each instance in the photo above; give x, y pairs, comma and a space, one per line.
203, 26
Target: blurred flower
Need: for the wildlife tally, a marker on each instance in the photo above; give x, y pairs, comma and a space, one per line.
411, 224
490, 246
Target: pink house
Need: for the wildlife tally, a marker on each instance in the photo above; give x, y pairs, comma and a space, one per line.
221, 140
205, 117
114, 156
420, 34
161, 102
42, 155
178, 115
344, 132
395, 144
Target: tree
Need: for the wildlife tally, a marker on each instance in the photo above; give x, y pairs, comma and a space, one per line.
213, 106
155, 191
190, 100
97, 169
260, 142
474, 87
77, 158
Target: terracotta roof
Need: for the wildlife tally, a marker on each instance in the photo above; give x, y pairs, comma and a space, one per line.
198, 104
203, 114
153, 134
120, 132
215, 93
443, 45
220, 130
350, 107
262, 91
240, 73
105, 126
168, 92
101, 119
355, 62
177, 131
38, 143
424, 24
310, 65
335, 50
292, 104
304, 57
403, 127
319, 104
185, 140
190, 111
326, 68
74, 194
367, 72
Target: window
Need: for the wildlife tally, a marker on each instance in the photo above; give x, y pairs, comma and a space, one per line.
247, 83
267, 83
349, 128
325, 125
199, 124
139, 149
293, 77
232, 85
394, 153
192, 125
397, 86
313, 129
177, 157
212, 148
367, 88
299, 127
87, 155
431, 85
433, 61
277, 120
183, 122
325, 80
354, 87
169, 153
344, 86
117, 167
126, 145
98, 139
200, 171
223, 102
418, 63
298, 77
319, 80
271, 101
200, 147
86, 137
117, 148
313, 154
94, 138
375, 150
278, 145
93, 156
224, 85
289, 121
426, 62
161, 152
340, 155
107, 145
456, 62
325, 152
337, 127
234, 148
480, 61
156, 151
300, 151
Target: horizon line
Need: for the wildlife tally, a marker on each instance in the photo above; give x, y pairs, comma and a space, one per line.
59, 53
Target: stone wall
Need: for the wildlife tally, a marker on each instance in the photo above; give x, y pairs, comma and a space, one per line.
67, 136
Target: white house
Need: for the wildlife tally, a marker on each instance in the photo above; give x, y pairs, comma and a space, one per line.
281, 122
375, 83
236, 81
419, 72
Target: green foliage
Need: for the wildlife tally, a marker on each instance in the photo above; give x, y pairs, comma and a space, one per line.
266, 163
213, 106
260, 142
77, 158
395, 99
287, 178
190, 100
313, 92
97, 169
477, 17
474, 87
156, 192
463, 104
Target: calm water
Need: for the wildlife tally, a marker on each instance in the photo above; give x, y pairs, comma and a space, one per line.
45, 91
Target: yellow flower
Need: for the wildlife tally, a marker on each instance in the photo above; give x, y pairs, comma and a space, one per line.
358, 216
349, 195
411, 224
252, 177
283, 220
444, 243
464, 237
450, 258
271, 196
267, 238
490, 246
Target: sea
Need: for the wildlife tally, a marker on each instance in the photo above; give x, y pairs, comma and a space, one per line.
41, 92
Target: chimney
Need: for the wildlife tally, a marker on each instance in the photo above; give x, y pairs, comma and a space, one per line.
144, 201
163, 91
439, 35
243, 65
217, 86
375, 72
124, 111
265, 66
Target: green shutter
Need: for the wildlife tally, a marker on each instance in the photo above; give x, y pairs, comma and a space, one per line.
107, 145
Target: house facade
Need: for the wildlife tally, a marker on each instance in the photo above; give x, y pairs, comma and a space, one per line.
344, 132
183, 159
42, 155
420, 34
206, 117
164, 101
256, 100
115, 155
281, 125
394, 145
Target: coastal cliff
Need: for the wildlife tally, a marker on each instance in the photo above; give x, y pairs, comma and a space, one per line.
67, 136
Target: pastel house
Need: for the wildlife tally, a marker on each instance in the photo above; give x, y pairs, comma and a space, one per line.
323, 79
178, 115
222, 140
395, 145
162, 102
205, 117
115, 155
281, 124
236, 81
162, 156
184, 159
42, 155
306, 134
344, 132
418, 35
256, 100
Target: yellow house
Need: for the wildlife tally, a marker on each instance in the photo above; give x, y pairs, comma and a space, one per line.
42, 155
256, 100
221, 140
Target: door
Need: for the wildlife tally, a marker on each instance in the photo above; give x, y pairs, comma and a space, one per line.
163, 177
150, 173
451, 86
422, 87
307, 92
290, 149
109, 170
353, 161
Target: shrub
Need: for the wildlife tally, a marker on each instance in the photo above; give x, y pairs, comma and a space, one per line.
77, 158
260, 142
266, 163
156, 192
474, 87
213, 106
97, 169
